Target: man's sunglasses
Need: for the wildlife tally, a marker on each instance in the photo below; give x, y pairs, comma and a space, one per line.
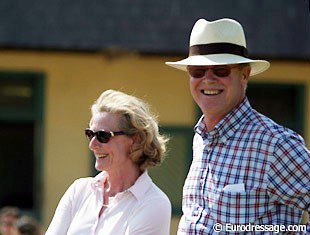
102, 136
218, 70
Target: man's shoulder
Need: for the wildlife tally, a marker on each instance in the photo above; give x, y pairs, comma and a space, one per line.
264, 125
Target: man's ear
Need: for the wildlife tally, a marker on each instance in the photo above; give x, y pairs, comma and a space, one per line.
246, 72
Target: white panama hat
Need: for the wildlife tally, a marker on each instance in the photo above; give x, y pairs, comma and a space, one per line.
218, 42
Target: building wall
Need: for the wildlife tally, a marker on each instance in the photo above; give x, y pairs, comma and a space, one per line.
74, 80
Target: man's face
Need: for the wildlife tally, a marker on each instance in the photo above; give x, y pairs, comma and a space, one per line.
218, 89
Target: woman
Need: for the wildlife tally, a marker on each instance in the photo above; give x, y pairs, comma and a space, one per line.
122, 199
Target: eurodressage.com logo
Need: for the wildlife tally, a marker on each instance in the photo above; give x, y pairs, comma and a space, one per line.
275, 228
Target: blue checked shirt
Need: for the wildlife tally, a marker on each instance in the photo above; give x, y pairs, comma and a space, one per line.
248, 170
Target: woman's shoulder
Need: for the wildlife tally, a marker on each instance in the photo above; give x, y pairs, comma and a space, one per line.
146, 190
156, 194
83, 181
81, 185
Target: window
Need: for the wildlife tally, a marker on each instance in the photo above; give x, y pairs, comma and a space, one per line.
284, 103
21, 104
170, 176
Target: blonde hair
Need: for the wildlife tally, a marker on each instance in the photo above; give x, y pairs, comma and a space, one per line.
136, 119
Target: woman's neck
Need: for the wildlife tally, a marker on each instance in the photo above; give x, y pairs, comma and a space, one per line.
122, 180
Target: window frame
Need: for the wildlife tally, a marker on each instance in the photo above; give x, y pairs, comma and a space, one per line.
35, 115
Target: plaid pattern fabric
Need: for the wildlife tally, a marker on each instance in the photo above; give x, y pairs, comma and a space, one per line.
249, 149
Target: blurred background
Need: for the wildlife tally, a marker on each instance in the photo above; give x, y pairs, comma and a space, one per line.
56, 57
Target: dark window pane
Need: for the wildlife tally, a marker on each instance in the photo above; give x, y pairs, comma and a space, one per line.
17, 164
170, 176
283, 103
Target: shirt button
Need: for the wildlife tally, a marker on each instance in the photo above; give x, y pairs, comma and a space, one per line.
202, 181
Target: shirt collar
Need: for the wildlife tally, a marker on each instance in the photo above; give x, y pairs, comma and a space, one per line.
99, 181
141, 186
228, 125
139, 189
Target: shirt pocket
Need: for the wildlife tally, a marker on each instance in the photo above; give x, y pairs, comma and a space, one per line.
239, 207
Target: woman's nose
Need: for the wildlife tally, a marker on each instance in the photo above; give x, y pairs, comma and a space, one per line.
93, 143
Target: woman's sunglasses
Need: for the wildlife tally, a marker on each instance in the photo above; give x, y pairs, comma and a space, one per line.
102, 136
219, 71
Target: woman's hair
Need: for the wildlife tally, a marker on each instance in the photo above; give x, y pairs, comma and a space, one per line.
136, 119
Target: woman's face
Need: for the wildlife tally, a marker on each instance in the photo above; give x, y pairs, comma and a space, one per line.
112, 156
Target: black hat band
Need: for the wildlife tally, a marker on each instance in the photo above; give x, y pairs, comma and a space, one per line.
218, 48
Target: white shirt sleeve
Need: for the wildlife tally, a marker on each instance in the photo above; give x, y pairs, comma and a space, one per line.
63, 214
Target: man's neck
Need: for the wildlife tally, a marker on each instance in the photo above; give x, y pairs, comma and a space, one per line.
211, 121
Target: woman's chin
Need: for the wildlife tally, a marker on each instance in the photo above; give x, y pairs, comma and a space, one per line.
99, 167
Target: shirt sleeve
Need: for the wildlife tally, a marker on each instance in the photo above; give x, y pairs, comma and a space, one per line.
63, 214
151, 218
289, 175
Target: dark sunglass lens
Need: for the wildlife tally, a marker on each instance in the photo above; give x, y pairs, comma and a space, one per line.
103, 136
222, 71
197, 73
89, 133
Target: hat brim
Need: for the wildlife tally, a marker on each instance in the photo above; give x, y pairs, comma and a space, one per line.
257, 66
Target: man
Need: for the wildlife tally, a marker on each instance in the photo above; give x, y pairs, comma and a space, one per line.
246, 169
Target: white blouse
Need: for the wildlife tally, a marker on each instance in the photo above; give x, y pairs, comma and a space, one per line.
143, 209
